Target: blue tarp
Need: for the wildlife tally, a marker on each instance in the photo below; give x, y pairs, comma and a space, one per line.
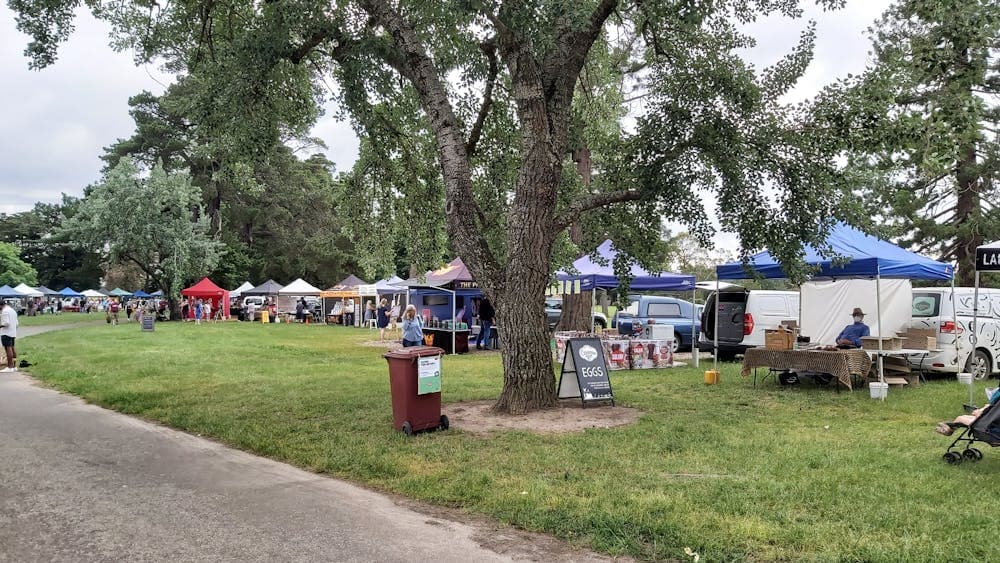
868, 256
593, 275
7, 292
68, 292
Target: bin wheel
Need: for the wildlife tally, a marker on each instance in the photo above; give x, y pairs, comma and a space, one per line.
408, 428
444, 422
953, 458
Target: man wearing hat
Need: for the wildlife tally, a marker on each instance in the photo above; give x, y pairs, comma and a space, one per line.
851, 336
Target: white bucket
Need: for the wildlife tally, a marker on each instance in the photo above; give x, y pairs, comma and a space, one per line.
965, 378
878, 389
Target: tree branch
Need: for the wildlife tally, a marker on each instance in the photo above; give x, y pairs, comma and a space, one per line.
489, 49
573, 212
564, 63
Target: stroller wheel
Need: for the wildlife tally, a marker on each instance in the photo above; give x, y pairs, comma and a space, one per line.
970, 454
975, 452
953, 458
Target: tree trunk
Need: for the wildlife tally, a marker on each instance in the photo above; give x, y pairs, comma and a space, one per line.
966, 212
576, 312
529, 380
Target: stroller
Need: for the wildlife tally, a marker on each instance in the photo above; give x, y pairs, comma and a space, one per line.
986, 429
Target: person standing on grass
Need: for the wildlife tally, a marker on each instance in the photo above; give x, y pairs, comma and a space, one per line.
486, 314
383, 319
197, 312
206, 310
113, 306
8, 333
300, 309
413, 328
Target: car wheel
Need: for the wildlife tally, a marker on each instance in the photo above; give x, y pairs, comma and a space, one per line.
601, 323
979, 365
677, 343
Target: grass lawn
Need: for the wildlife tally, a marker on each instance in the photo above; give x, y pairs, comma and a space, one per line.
731, 471
62, 319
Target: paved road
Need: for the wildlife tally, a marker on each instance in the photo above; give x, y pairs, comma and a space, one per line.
80, 483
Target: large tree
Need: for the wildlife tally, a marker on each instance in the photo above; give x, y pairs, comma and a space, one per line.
13, 270
489, 91
154, 223
922, 127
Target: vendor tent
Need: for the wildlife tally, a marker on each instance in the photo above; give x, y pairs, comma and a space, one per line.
7, 292
592, 274
390, 286
291, 293
157, 293
141, 294
105, 292
69, 292
239, 290
850, 254
340, 293
119, 292
452, 281
270, 288
46, 291
27, 291
91, 294
206, 290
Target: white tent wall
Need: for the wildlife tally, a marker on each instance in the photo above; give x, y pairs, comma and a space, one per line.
826, 307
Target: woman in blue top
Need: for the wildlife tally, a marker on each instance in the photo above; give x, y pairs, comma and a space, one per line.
413, 327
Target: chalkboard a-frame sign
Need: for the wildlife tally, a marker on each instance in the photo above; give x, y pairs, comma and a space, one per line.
148, 321
584, 372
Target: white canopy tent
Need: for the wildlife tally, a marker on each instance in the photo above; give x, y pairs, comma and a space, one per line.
28, 291
91, 294
239, 290
291, 293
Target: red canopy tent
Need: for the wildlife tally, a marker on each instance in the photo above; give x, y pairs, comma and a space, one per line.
207, 290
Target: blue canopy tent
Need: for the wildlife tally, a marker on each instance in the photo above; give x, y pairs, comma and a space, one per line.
592, 275
852, 254
157, 293
69, 292
452, 281
141, 294
595, 276
7, 292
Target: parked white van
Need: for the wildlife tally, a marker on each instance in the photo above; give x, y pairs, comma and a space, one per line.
932, 308
744, 315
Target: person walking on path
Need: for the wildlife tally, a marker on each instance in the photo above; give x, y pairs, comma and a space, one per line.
8, 333
383, 319
413, 328
486, 314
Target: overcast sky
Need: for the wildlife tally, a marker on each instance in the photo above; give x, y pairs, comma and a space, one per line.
56, 122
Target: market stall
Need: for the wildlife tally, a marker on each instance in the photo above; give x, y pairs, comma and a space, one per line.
290, 295
444, 299
206, 290
269, 290
341, 302
395, 293
591, 275
848, 254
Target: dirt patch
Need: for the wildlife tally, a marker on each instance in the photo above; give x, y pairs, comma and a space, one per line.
477, 418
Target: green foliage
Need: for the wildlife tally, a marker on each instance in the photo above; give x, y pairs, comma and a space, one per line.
920, 128
13, 270
155, 223
59, 260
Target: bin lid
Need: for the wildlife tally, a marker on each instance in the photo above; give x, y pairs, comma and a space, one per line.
414, 352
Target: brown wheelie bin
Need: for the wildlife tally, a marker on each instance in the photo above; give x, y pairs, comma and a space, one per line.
411, 411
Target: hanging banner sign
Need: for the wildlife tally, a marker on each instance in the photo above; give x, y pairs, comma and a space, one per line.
585, 373
466, 285
988, 259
